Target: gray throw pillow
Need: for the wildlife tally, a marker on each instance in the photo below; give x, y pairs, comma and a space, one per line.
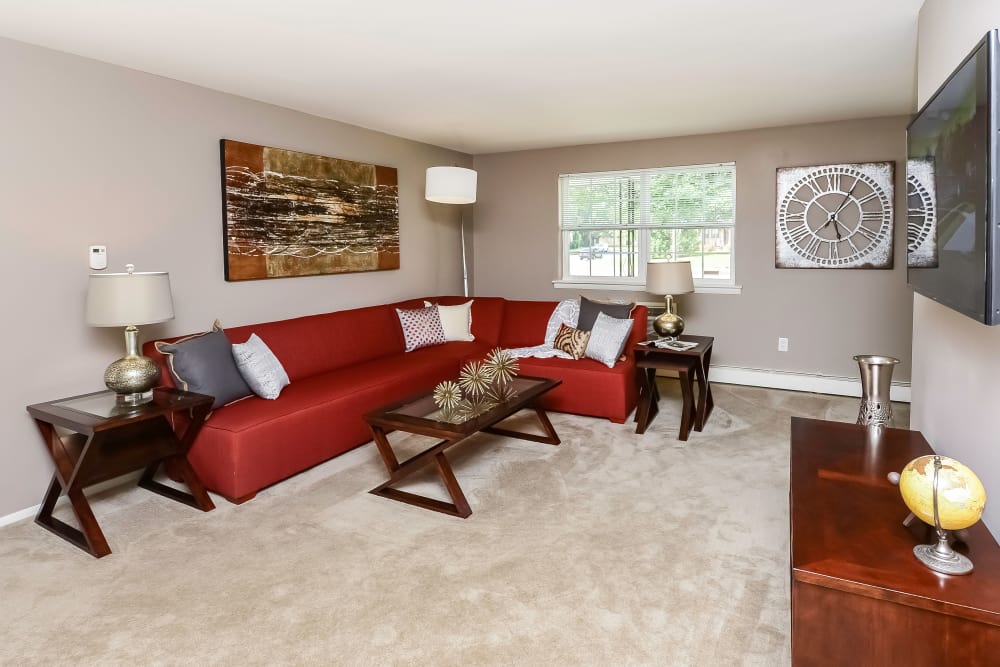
607, 339
204, 364
260, 368
590, 309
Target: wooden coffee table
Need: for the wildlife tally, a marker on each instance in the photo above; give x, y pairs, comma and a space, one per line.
420, 415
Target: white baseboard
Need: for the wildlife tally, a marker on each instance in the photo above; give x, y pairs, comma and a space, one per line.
811, 382
28, 512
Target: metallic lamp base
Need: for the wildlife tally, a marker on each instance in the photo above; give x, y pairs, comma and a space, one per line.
945, 561
669, 324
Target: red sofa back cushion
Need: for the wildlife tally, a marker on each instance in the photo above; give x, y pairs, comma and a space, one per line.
524, 322
315, 344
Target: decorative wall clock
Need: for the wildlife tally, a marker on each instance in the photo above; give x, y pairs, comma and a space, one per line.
921, 215
837, 216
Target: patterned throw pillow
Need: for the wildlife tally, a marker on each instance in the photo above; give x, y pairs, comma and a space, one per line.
421, 327
260, 368
204, 364
607, 339
572, 341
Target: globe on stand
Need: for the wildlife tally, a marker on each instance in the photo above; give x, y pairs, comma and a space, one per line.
942, 492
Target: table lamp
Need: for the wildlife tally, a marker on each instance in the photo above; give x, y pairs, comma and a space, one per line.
669, 278
453, 185
127, 300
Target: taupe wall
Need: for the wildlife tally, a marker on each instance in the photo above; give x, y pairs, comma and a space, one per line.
828, 315
94, 153
956, 361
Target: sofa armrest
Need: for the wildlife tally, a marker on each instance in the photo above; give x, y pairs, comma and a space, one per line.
640, 330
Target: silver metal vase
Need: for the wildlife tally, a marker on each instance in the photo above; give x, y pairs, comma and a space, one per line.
876, 381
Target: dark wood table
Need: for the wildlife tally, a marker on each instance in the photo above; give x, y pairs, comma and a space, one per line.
690, 365
859, 595
421, 415
91, 440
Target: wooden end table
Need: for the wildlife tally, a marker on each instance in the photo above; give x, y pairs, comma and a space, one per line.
421, 415
104, 441
690, 365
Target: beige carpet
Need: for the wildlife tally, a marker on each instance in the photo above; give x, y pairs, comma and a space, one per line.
611, 549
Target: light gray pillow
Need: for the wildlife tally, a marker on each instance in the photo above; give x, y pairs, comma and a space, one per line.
260, 368
607, 339
204, 364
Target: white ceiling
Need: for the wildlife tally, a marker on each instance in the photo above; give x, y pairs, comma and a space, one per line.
492, 76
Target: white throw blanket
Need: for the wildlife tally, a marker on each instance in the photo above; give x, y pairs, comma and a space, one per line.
566, 312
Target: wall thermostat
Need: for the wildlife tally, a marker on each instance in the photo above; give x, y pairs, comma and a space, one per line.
98, 257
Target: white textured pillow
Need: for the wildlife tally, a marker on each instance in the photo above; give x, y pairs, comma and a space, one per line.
607, 339
456, 320
260, 368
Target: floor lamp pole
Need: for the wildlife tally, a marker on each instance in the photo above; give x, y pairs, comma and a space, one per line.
465, 265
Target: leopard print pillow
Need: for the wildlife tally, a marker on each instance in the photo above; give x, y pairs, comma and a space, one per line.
571, 341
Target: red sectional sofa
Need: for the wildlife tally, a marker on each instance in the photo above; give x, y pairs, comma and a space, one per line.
349, 362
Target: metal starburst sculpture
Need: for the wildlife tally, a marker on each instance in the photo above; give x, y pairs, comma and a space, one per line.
501, 366
474, 379
447, 395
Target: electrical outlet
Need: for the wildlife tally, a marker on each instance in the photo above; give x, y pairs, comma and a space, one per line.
782, 345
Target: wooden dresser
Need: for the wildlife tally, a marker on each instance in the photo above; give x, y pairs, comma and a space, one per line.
859, 596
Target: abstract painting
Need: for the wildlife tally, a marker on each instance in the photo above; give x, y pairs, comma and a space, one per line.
290, 214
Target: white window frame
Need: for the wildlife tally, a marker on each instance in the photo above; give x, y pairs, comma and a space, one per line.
644, 226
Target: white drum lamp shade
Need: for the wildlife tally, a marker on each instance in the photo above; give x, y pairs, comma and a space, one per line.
669, 278
664, 277
121, 299
128, 300
451, 185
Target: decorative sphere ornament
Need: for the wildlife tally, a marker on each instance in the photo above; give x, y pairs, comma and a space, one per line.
946, 494
961, 497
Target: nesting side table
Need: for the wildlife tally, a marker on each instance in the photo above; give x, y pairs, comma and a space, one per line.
91, 439
691, 365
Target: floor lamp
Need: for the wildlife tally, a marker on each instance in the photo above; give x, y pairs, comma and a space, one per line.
453, 185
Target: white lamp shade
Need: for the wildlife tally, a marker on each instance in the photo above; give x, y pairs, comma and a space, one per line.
451, 185
123, 299
663, 277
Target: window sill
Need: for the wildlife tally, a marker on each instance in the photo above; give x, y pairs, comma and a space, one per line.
632, 287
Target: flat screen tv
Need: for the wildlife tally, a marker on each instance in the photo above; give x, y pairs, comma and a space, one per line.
953, 224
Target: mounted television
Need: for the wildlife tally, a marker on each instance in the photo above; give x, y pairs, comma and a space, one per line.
953, 224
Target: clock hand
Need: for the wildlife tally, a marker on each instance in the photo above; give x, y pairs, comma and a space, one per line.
836, 227
846, 198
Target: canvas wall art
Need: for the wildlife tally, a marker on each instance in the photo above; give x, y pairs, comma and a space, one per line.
289, 214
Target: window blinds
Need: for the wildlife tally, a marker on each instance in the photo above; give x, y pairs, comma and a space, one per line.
697, 196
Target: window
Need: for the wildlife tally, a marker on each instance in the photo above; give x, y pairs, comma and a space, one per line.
611, 223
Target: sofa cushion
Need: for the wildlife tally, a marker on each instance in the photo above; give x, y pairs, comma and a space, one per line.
524, 323
589, 310
318, 343
589, 387
487, 313
421, 327
571, 340
262, 370
455, 320
607, 339
204, 364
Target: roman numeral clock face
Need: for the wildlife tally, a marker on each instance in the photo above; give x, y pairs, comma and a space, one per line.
835, 217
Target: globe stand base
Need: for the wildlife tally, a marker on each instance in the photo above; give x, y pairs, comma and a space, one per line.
942, 558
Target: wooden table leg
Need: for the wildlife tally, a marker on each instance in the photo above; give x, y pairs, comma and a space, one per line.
687, 407
90, 538
649, 399
459, 505
705, 402
198, 496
